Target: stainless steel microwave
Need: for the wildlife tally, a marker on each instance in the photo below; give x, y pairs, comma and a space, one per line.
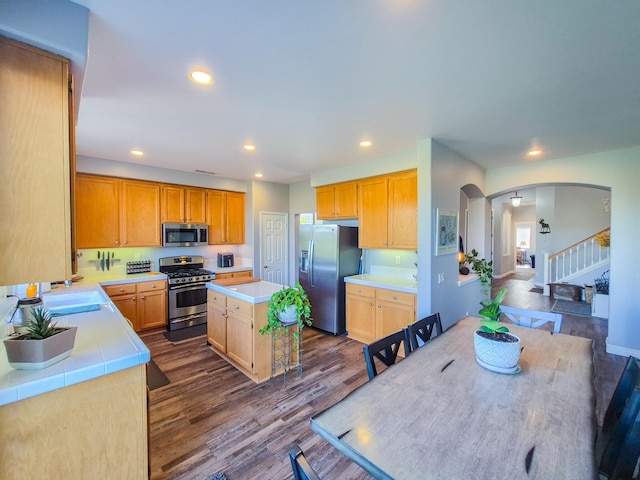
185, 234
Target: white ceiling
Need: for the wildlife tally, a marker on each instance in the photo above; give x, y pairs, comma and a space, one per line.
305, 81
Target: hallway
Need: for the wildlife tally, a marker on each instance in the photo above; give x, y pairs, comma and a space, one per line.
607, 367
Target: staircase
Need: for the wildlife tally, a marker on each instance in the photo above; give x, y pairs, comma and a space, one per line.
574, 261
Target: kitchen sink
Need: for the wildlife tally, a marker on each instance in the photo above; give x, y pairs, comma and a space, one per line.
70, 303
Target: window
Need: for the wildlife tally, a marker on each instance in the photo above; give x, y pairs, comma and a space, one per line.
523, 237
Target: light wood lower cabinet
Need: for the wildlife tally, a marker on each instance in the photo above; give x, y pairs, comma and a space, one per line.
93, 429
232, 332
374, 313
244, 273
143, 303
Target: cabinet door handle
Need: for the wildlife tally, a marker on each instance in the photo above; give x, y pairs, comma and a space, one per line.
153, 286
141, 298
395, 298
237, 307
133, 299
379, 306
373, 305
122, 290
359, 291
117, 242
124, 243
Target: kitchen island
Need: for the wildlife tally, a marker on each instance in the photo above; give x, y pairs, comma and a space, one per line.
235, 313
83, 417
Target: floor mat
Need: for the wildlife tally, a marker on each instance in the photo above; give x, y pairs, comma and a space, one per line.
156, 378
186, 333
536, 290
582, 309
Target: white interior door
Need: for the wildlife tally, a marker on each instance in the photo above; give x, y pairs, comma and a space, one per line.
273, 247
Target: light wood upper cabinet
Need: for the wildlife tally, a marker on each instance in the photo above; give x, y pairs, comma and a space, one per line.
111, 212
183, 204
337, 201
388, 211
373, 213
140, 214
97, 211
35, 242
225, 216
403, 211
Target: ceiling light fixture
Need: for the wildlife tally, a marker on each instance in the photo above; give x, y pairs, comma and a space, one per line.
201, 77
515, 200
534, 152
137, 153
258, 175
366, 143
249, 147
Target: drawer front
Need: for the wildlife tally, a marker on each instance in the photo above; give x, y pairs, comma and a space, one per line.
240, 307
122, 289
219, 299
362, 290
396, 297
152, 286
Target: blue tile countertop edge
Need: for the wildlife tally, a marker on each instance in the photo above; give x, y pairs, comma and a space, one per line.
105, 343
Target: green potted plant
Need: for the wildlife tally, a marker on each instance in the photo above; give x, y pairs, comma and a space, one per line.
496, 349
43, 344
600, 301
481, 267
288, 306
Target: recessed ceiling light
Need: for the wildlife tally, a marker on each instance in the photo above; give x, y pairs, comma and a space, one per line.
534, 152
249, 147
258, 175
366, 143
201, 77
137, 153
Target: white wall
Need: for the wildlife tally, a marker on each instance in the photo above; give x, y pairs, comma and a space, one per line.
618, 170
441, 175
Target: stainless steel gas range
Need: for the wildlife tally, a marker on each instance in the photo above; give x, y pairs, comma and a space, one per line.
187, 302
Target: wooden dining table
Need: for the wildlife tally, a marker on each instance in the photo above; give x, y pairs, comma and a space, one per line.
437, 414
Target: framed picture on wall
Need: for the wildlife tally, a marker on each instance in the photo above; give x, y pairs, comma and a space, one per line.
446, 232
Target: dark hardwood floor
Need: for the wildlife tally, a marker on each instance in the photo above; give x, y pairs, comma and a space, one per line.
211, 418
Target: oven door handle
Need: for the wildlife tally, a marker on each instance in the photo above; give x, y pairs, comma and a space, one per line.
188, 288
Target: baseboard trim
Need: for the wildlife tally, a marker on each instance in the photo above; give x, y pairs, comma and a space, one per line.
622, 351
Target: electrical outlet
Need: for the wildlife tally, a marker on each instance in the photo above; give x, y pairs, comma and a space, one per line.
397, 259
441, 278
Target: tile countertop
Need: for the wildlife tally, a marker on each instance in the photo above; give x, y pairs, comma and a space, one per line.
105, 343
256, 292
408, 285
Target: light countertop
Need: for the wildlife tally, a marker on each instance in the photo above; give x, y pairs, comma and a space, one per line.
256, 292
105, 343
400, 284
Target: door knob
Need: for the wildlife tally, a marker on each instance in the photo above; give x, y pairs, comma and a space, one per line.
266, 266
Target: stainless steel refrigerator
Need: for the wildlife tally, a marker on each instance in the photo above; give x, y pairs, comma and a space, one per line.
327, 254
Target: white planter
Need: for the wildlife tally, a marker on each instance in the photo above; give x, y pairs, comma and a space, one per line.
289, 316
498, 356
600, 305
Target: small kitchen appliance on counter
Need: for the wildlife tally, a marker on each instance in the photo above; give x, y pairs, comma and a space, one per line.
225, 259
187, 299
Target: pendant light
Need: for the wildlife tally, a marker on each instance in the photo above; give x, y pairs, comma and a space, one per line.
515, 200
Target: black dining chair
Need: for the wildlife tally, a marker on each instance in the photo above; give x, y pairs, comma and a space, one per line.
423, 329
622, 452
386, 350
629, 379
301, 468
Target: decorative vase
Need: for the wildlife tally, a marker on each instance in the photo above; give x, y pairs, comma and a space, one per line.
289, 316
495, 355
28, 354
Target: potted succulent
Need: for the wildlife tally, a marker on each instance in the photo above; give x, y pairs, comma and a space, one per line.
43, 344
496, 349
288, 306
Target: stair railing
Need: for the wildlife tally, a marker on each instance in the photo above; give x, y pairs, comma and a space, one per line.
574, 260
